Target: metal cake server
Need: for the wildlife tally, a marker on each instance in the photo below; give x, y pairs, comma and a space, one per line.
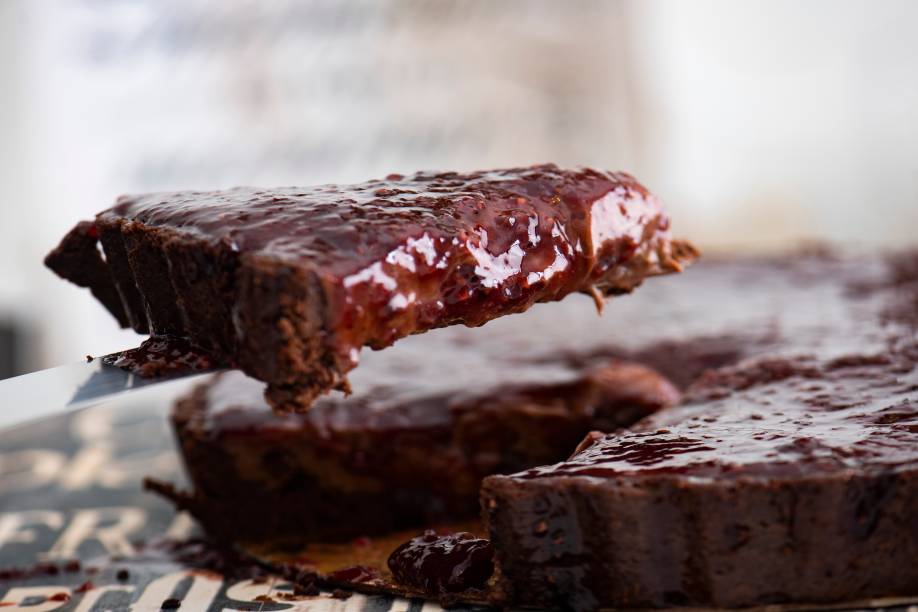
65, 388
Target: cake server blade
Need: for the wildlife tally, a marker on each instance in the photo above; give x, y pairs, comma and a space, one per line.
64, 388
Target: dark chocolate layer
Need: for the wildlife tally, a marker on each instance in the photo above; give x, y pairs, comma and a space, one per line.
79, 260
290, 283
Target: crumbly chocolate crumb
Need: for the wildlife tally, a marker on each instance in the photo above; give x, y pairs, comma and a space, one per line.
309, 590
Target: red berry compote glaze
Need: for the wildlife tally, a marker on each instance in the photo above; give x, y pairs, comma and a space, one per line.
773, 417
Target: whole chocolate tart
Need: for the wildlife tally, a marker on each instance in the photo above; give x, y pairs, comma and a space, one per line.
289, 283
789, 477
787, 474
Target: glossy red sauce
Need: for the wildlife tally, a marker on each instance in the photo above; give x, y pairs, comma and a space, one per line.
786, 417
447, 563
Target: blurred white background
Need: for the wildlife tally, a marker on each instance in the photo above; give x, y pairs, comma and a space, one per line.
760, 123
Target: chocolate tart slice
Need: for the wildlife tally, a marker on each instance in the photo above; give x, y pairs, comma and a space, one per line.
395, 454
789, 477
782, 480
290, 283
